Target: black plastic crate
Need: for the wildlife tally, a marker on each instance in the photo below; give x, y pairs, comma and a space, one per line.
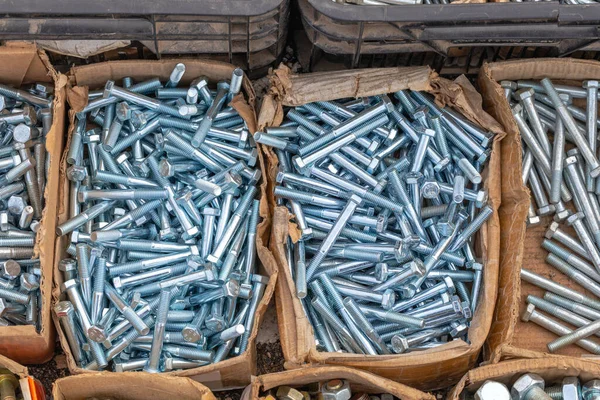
355, 34
253, 31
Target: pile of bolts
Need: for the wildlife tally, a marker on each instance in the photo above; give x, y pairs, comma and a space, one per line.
163, 217
387, 198
533, 386
335, 389
558, 172
25, 119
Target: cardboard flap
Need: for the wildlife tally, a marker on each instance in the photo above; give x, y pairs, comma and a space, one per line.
360, 381
130, 386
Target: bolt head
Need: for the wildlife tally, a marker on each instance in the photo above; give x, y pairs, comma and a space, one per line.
71, 283
67, 265
561, 215
97, 334
76, 173
191, 334
63, 309
231, 288
533, 220
572, 159
23, 133
450, 285
442, 164
201, 82
388, 299
381, 271
482, 198
524, 384
10, 269
16, 204
413, 178
389, 106
417, 268
574, 218
460, 330
407, 291
421, 112
399, 344
138, 119
591, 388
546, 210
430, 189
590, 84
167, 234
509, 85
215, 323
108, 89
166, 168
299, 163
571, 388
445, 227
517, 109
123, 111
525, 94
527, 313
29, 282
492, 390
551, 230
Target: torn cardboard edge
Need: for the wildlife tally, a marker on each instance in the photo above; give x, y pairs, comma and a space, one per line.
507, 327
26, 64
129, 385
552, 369
360, 382
233, 372
297, 339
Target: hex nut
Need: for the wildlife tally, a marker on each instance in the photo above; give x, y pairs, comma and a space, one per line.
288, 393
571, 388
591, 389
492, 390
524, 384
336, 389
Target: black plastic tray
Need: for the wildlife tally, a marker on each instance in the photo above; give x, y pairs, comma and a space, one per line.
256, 29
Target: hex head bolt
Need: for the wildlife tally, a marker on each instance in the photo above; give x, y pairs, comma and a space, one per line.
530, 314
65, 312
591, 390
210, 115
572, 128
570, 259
233, 224
70, 287
332, 236
364, 324
576, 222
176, 75
558, 289
529, 387
83, 272
525, 96
576, 335
556, 311
259, 284
83, 217
531, 141
591, 124
153, 365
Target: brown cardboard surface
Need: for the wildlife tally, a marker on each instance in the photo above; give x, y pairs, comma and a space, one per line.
552, 369
25, 64
426, 370
520, 246
234, 372
129, 386
360, 382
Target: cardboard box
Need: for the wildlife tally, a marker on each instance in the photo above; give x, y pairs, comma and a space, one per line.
129, 386
426, 370
360, 382
521, 246
233, 372
23, 64
552, 369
